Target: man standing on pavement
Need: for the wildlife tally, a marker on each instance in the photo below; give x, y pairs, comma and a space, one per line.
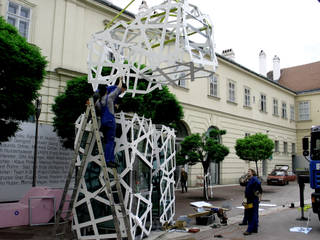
183, 180
253, 193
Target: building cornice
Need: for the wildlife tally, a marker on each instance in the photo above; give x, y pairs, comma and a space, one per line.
69, 73
236, 117
107, 6
253, 73
309, 92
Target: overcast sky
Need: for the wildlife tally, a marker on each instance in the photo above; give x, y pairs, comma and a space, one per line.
287, 28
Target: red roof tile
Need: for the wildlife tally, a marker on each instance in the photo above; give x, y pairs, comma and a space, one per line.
301, 78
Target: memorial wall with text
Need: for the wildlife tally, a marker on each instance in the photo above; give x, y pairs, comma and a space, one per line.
17, 157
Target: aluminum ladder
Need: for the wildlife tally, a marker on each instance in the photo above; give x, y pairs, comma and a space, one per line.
121, 213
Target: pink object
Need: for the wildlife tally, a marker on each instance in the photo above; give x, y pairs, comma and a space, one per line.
17, 214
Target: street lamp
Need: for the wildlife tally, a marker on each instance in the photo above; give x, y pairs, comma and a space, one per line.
38, 111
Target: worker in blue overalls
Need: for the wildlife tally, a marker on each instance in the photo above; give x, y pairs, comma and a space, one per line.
253, 193
108, 124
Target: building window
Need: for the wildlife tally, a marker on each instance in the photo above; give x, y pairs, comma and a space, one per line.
304, 110
263, 103
247, 97
292, 117
213, 86
293, 148
246, 134
284, 110
285, 147
182, 81
232, 92
275, 107
19, 17
276, 146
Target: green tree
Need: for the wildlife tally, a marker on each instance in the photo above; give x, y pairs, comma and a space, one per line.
68, 107
22, 69
203, 149
159, 105
254, 148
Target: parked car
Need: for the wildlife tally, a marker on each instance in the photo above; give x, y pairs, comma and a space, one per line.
280, 175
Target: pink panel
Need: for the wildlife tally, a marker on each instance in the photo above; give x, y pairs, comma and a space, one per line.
17, 214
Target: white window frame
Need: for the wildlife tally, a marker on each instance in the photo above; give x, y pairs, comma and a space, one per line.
247, 97
284, 110
18, 18
304, 110
275, 107
263, 102
292, 113
182, 82
213, 86
231, 91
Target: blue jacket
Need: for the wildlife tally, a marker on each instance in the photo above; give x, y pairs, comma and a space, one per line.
253, 186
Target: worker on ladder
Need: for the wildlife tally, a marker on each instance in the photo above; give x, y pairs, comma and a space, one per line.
105, 105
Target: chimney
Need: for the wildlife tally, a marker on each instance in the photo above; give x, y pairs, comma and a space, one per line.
262, 63
143, 7
276, 68
229, 53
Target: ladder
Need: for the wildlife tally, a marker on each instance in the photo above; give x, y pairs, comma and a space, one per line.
90, 115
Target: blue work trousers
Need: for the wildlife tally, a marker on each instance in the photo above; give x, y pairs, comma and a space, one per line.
109, 131
253, 217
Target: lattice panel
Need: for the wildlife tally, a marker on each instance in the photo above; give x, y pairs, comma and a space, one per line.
165, 160
135, 150
169, 42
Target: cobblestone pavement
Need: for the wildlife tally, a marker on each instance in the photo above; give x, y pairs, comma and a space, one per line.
227, 196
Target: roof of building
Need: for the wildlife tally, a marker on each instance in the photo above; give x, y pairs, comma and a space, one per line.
254, 73
109, 4
301, 78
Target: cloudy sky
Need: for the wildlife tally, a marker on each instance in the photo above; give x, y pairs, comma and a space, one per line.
287, 28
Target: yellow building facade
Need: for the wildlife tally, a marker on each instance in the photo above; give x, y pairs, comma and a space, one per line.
237, 99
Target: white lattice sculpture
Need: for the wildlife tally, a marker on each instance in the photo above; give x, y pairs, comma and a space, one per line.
137, 153
163, 173
166, 43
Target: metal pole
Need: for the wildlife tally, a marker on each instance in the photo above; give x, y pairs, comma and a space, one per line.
34, 179
38, 111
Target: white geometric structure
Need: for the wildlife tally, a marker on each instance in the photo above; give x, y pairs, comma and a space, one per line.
136, 153
166, 43
164, 140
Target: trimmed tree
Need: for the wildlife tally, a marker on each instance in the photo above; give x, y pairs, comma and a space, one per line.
22, 69
254, 148
159, 105
203, 149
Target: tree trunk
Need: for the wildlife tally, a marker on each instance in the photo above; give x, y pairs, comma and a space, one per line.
205, 181
257, 168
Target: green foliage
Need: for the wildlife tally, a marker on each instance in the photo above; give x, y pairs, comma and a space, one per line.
254, 148
22, 69
159, 105
203, 148
68, 107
